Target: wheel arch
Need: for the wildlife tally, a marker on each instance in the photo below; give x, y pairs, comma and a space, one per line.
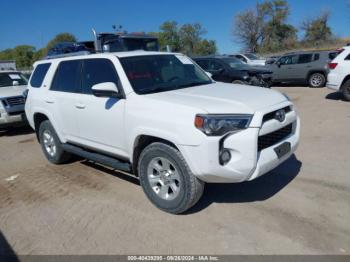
141, 142
344, 81
323, 72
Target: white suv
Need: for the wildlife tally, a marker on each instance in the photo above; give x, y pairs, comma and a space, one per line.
339, 75
160, 117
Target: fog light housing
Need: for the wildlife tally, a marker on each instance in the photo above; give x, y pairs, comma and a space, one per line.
225, 156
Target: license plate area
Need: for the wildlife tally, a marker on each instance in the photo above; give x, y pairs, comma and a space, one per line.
282, 149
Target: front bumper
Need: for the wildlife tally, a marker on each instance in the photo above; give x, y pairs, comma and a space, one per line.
8, 120
247, 163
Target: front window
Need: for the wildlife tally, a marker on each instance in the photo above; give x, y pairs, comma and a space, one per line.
12, 79
235, 63
160, 73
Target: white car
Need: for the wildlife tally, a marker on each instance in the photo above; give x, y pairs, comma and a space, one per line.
159, 116
12, 86
250, 59
339, 75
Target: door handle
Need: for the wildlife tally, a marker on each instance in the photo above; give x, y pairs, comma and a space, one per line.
80, 106
49, 101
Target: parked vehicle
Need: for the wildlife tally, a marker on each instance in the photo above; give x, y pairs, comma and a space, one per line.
159, 116
107, 42
306, 67
12, 86
339, 75
272, 59
250, 59
232, 70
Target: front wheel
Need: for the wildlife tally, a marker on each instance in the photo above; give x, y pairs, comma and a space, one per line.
167, 180
346, 90
317, 80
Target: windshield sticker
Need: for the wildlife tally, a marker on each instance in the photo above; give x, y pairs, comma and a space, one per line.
14, 77
185, 60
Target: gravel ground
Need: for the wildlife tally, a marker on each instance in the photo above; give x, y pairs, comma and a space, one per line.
302, 207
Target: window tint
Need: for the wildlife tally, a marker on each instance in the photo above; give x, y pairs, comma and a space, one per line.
316, 57
332, 55
39, 75
203, 64
214, 65
288, 60
67, 77
305, 58
348, 57
98, 71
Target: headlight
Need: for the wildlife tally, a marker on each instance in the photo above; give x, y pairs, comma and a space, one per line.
218, 125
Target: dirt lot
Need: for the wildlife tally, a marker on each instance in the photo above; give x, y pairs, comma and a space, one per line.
302, 207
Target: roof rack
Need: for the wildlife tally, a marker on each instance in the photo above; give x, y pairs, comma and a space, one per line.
80, 53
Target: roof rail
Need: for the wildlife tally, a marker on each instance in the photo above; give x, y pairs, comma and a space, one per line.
68, 55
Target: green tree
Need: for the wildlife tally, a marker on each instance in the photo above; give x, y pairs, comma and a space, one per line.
317, 30
205, 47
190, 36
169, 35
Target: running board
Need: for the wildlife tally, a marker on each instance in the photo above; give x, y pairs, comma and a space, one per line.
99, 158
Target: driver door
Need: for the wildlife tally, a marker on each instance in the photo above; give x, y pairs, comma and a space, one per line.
285, 69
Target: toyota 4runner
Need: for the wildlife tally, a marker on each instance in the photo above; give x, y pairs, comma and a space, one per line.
160, 117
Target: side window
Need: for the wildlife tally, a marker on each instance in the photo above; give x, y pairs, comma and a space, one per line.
67, 77
289, 60
316, 57
305, 58
203, 64
98, 71
214, 65
39, 75
347, 58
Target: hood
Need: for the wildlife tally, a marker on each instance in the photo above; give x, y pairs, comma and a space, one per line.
9, 91
222, 98
256, 70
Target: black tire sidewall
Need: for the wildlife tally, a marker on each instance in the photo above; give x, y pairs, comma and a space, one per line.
345, 91
167, 205
57, 158
323, 80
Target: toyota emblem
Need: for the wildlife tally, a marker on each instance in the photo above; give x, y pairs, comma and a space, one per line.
280, 115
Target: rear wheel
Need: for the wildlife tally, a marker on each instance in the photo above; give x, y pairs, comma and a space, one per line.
317, 80
167, 180
346, 90
51, 145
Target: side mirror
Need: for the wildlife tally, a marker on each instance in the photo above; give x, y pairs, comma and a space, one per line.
15, 83
278, 63
209, 74
107, 89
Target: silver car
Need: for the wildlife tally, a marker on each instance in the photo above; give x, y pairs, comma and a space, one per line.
12, 86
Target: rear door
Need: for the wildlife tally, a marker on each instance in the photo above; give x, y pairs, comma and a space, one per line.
304, 65
63, 96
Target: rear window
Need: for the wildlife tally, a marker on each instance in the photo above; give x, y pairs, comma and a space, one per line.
39, 75
348, 57
332, 55
305, 58
67, 77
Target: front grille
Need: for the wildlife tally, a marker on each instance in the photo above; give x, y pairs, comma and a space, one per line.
15, 101
271, 115
275, 137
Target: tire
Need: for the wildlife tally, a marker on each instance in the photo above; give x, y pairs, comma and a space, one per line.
239, 82
345, 89
317, 80
167, 180
51, 145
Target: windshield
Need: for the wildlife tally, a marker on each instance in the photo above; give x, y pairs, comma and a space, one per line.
252, 56
159, 73
12, 79
236, 63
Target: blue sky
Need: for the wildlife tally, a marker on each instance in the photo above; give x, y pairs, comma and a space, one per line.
36, 22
